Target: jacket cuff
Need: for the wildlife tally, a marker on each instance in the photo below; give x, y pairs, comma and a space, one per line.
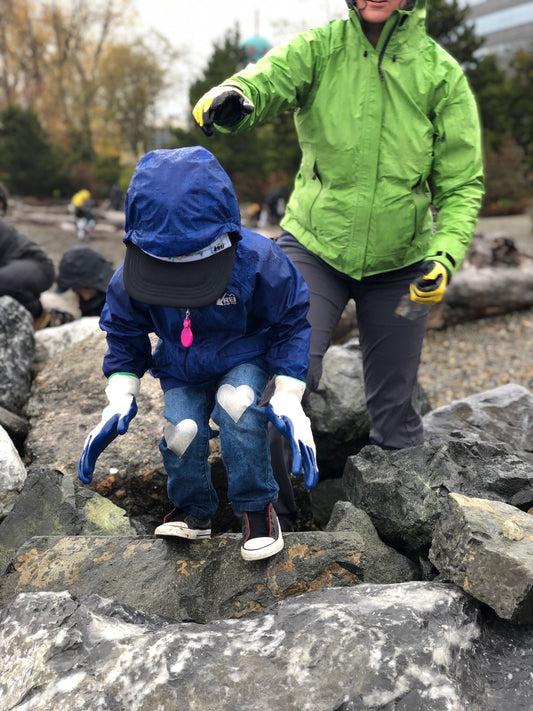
446, 260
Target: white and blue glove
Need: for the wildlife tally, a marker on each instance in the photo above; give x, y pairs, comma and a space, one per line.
286, 414
116, 417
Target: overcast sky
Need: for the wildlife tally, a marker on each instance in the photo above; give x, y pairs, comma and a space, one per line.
193, 26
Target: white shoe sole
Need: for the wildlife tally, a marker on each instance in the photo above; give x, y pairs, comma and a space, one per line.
265, 551
177, 531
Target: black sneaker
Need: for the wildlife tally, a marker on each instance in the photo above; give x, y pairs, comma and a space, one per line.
261, 534
183, 525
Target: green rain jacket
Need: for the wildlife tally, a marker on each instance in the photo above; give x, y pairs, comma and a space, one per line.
384, 133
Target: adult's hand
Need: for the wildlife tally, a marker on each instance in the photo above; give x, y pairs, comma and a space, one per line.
224, 105
429, 287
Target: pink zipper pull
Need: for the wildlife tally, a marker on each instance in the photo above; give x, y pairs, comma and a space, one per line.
186, 334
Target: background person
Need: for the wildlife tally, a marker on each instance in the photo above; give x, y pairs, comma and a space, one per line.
87, 273
388, 126
26, 270
83, 215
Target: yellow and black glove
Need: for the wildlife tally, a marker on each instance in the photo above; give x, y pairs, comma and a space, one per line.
429, 287
224, 104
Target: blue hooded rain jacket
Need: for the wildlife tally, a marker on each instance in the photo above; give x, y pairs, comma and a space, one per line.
261, 317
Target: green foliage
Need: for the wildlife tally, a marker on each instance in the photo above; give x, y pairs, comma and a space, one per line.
488, 83
506, 107
505, 104
242, 156
520, 104
32, 163
107, 173
125, 177
131, 79
283, 152
448, 24
505, 184
80, 146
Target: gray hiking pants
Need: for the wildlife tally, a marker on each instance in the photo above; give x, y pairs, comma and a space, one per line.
391, 347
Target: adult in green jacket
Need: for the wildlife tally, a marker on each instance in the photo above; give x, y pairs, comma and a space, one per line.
388, 127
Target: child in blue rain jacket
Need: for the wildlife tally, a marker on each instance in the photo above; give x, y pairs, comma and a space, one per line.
229, 309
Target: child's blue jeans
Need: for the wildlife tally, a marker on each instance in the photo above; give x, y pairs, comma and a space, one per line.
231, 402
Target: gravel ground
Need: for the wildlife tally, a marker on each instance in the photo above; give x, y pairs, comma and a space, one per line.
476, 356
459, 361
472, 357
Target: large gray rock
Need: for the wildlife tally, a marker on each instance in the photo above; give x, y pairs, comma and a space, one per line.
404, 491
372, 647
480, 293
502, 414
502, 663
200, 581
12, 474
51, 504
16, 354
486, 547
51, 341
385, 560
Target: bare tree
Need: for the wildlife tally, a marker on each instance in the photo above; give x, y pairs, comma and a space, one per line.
69, 62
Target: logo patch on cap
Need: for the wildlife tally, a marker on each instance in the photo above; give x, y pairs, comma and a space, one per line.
220, 244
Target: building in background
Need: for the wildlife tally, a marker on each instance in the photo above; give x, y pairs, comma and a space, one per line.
506, 25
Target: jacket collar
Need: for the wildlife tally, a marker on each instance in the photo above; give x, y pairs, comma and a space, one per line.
404, 24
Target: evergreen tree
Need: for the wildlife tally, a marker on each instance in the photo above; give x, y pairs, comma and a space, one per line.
30, 162
489, 85
520, 103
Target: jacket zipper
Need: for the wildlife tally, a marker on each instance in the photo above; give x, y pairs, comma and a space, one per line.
385, 45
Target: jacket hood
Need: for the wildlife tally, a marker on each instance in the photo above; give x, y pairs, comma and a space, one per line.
179, 201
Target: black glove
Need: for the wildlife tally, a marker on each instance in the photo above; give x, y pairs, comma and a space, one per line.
224, 104
429, 287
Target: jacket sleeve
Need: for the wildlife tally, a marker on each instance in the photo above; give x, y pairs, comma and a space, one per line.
279, 81
457, 173
281, 300
127, 326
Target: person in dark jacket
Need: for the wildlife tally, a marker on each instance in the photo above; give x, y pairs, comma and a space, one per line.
230, 310
87, 273
26, 270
